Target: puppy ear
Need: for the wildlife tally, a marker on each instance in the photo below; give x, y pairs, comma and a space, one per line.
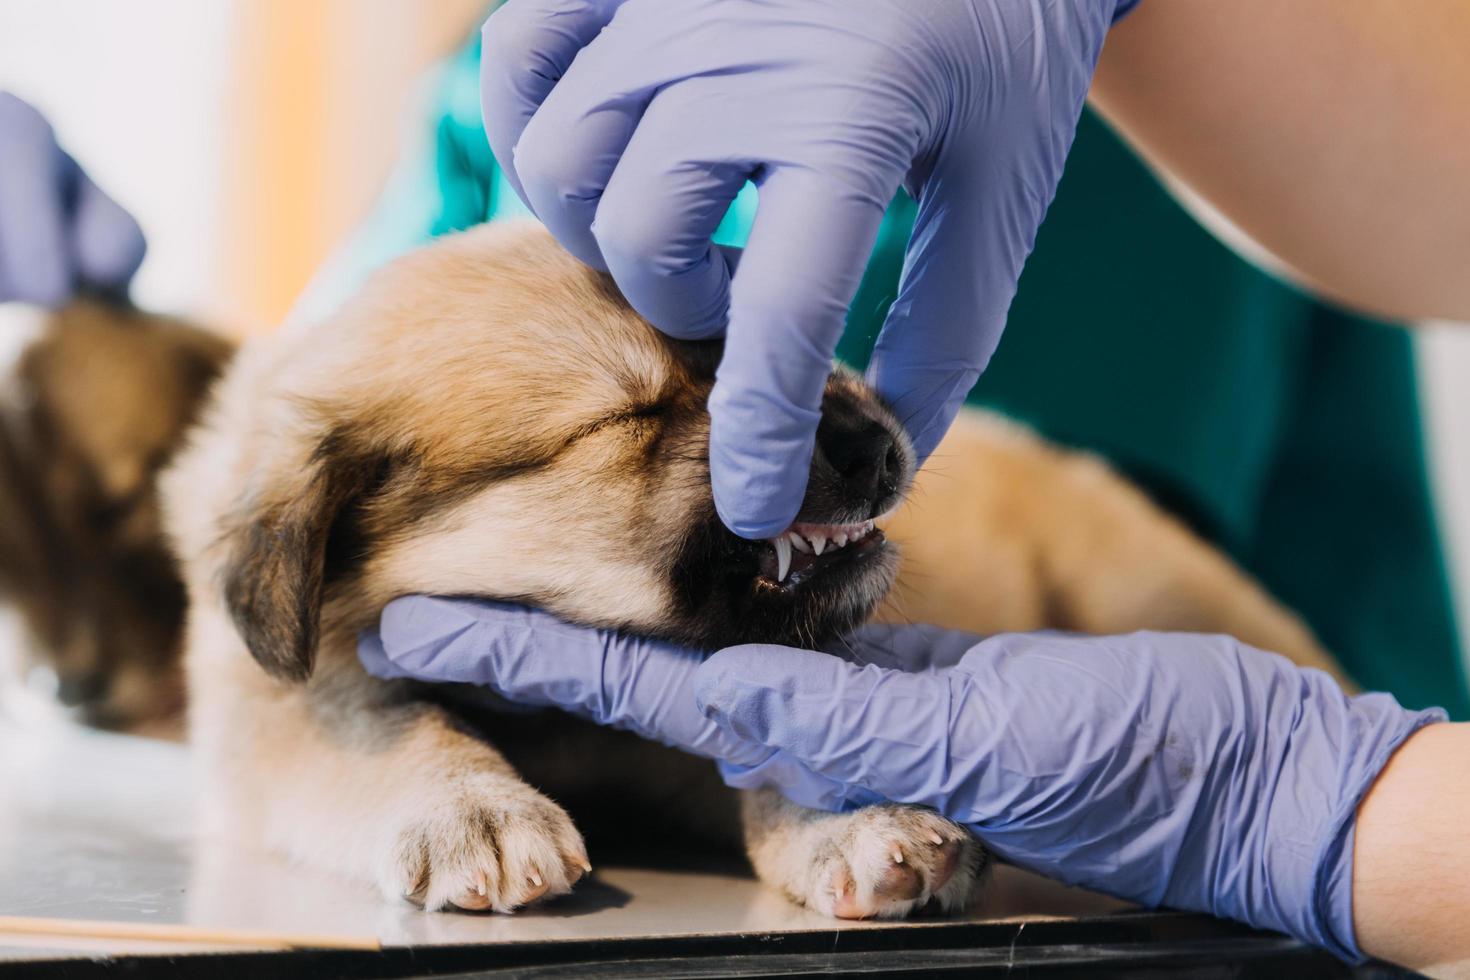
199, 357
278, 564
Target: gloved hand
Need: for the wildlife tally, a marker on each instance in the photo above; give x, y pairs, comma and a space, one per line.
644, 686
1170, 769
58, 231
631, 153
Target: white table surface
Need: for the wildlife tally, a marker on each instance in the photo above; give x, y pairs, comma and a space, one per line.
100, 827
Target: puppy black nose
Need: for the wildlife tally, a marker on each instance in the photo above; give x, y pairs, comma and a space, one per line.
79, 688
863, 453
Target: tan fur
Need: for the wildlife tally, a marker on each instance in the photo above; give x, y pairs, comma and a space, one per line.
488, 417
1005, 533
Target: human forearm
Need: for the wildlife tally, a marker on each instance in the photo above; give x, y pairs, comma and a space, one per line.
1411, 874
1334, 133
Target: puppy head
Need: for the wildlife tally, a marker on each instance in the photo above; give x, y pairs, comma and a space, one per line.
94, 402
490, 418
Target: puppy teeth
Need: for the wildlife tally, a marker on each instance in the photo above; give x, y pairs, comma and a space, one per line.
938, 841
586, 867
799, 543
536, 879
840, 539
819, 544
897, 856
783, 557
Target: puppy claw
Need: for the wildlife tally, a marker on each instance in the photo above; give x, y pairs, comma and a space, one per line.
936, 839
416, 890
538, 888
897, 856
577, 866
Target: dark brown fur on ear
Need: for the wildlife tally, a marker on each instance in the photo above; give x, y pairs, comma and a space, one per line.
275, 577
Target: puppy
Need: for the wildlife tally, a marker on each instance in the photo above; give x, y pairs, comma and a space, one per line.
488, 417
93, 402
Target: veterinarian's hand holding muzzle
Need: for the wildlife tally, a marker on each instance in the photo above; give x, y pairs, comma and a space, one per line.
628, 127
1171, 769
59, 233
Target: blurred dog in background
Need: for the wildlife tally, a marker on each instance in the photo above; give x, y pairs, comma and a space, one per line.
94, 400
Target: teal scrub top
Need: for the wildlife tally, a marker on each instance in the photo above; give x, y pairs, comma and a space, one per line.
1282, 429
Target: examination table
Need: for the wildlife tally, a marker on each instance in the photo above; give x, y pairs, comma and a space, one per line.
104, 873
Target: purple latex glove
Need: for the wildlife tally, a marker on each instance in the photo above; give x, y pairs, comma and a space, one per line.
628, 127
58, 231
1167, 768
640, 685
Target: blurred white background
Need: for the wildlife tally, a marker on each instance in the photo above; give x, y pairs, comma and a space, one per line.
249, 135
135, 90
1444, 371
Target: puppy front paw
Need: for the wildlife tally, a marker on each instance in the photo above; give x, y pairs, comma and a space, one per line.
889, 861
497, 845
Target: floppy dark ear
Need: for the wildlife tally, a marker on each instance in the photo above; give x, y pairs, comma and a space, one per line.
275, 574
199, 358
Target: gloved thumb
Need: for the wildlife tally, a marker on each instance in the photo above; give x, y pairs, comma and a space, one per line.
374, 656
107, 243
428, 637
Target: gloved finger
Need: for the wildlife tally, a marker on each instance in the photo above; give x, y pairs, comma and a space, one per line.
107, 243
909, 647
526, 47
374, 657
569, 149
886, 730
667, 196
35, 264
532, 657
807, 250
951, 306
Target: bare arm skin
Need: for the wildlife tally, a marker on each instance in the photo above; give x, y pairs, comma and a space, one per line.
1411, 856
1334, 133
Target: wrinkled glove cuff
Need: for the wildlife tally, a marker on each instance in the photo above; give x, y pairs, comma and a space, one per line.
1125, 7
1331, 921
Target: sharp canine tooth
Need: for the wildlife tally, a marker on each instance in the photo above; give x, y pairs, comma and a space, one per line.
799, 543
819, 543
783, 557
